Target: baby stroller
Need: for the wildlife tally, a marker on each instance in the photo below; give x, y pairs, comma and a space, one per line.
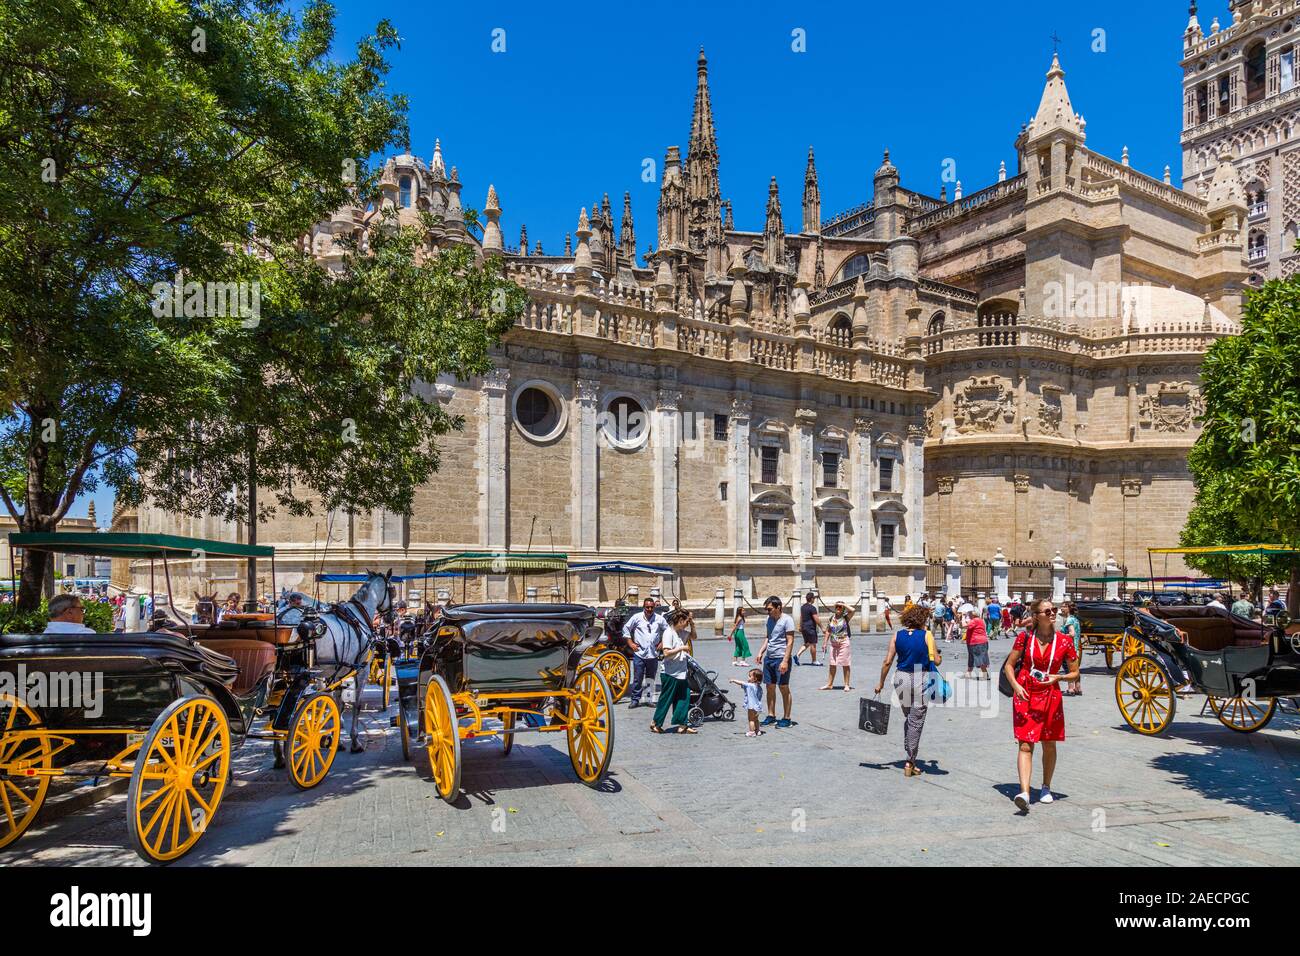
707, 699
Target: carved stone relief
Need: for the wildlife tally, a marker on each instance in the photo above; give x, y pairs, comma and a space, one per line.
981, 403
1173, 407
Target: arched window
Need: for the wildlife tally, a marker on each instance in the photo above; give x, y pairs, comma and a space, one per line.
934, 330
1257, 246
858, 265
997, 321
404, 186
840, 331
1255, 71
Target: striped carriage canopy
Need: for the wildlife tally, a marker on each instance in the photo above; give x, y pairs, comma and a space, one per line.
115, 544
1230, 549
499, 562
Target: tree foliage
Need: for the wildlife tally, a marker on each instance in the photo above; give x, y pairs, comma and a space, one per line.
148, 141
1246, 463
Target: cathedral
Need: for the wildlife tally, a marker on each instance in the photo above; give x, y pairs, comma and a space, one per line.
915, 379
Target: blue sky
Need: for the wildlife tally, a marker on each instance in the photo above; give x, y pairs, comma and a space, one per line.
585, 92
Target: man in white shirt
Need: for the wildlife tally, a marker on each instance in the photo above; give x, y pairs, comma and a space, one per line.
1217, 601
67, 615
644, 632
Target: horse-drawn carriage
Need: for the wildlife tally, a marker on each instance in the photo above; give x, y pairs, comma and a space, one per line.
1243, 667
497, 670
173, 703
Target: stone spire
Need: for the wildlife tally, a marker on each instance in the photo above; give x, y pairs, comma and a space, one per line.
523, 240
90, 512
568, 245
672, 202
738, 302
437, 168
492, 228
773, 229
627, 234
1226, 198
819, 270
1054, 110
582, 264
1193, 31
727, 222
812, 198
704, 197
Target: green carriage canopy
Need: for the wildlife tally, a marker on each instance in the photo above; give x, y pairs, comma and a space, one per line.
116, 544
499, 562
1229, 549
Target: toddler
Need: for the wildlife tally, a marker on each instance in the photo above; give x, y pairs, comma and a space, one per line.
753, 700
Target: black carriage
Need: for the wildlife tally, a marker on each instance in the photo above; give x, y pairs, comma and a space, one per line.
497, 670
1243, 667
169, 705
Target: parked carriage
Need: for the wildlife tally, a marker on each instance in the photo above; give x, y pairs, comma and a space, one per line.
1243, 667
176, 702
498, 670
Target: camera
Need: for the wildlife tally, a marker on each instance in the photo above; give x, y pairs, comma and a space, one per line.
1038, 675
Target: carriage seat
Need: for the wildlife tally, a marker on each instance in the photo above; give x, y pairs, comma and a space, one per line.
1213, 634
255, 660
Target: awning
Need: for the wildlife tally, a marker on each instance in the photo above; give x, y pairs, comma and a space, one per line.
620, 567
1230, 549
363, 578
114, 544
498, 562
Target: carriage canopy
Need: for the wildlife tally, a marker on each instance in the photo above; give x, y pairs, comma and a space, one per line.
114, 544
499, 562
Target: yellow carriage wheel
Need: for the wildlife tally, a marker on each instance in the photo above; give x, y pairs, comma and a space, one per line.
1243, 714
1145, 695
178, 779
507, 738
442, 738
387, 678
314, 739
617, 671
21, 797
1131, 645
590, 726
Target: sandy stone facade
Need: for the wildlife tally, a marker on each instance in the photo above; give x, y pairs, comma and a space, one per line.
1241, 99
1013, 368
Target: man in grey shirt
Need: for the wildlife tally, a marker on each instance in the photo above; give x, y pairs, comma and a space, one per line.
644, 632
775, 657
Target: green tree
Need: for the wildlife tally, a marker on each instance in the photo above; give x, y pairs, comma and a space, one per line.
139, 142
329, 404
1246, 462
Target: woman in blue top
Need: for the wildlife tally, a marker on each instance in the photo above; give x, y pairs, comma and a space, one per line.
910, 648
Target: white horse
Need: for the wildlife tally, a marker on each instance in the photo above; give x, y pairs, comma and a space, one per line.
346, 644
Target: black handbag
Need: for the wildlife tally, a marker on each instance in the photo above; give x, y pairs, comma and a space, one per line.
873, 715
1004, 683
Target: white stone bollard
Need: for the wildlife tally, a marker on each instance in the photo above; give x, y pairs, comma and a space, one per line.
719, 612
864, 602
1059, 570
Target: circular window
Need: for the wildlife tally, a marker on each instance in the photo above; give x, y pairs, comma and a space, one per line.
625, 422
538, 411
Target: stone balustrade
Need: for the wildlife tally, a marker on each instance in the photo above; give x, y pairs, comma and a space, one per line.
998, 192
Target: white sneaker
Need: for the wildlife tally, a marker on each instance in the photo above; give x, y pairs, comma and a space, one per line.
1022, 801
1045, 796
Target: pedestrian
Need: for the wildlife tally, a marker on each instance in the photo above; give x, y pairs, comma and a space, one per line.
977, 647
753, 700
676, 694
888, 609
949, 620
644, 632
232, 606
67, 615
1244, 606
1069, 625
688, 626
1219, 601
740, 656
910, 649
775, 657
1275, 602
993, 618
838, 650
1037, 713
809, 627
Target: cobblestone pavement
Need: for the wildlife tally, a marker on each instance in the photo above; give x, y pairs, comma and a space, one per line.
821, 792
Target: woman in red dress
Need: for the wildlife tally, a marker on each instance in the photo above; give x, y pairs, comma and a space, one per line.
1034, 670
